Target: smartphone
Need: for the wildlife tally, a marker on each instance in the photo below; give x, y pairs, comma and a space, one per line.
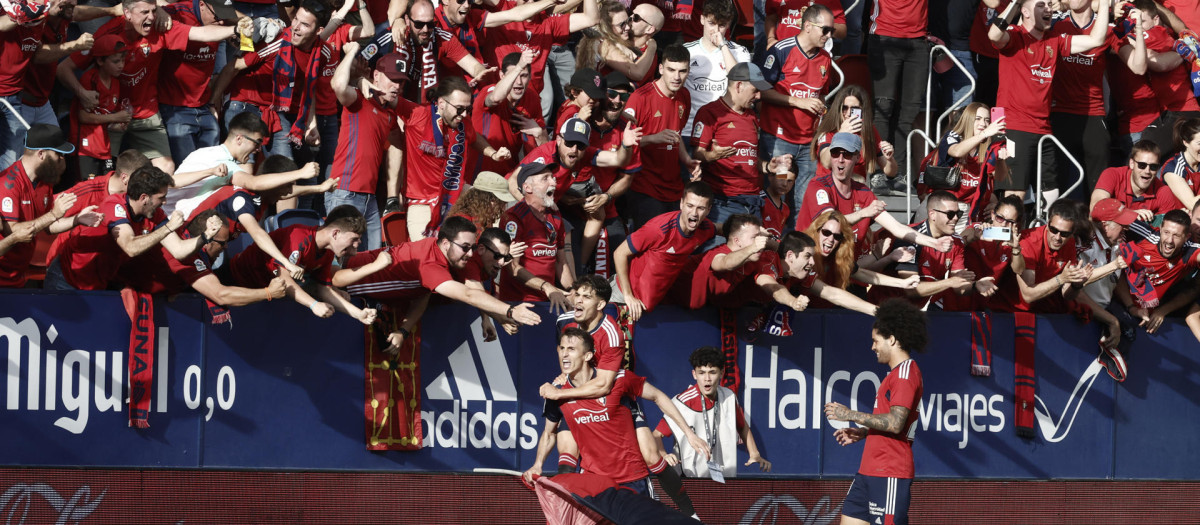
997, 113
996, 233
856, 113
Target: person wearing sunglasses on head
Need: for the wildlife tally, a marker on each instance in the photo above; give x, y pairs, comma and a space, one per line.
1137, 185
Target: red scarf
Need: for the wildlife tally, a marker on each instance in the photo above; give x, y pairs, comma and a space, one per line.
140, 307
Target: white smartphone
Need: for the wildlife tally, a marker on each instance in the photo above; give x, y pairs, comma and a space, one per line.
856, 112
996, 233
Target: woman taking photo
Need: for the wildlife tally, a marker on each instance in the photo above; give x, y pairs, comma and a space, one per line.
980, 160
851, 112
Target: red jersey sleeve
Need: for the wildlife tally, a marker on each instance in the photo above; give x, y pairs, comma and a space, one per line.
704, 129
664, 428
176, 38
741, 417
645, 237
404, 107
628, 384
904, 391
450, 50
433, 272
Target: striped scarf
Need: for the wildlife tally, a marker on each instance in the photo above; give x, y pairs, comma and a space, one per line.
284, 76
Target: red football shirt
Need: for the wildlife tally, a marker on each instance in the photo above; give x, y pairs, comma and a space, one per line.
887, 455
362, 144
718, 124
563, 177
93, 138
994, 259
430, 147
441, 53
1158, 197
17, 47
1027, 65
253, 268
417, 268
539, 36
603, 429
1178, 165
1046, 264
732, 288
253, 86
185, 76
231, 202
651, 109
823, 195
979, 42
543, 238
798, 74
91, 259
610, 140
791, 11
1150, 275
157, 271
20, 200
933, 265
1137, 104
495, 124
607, 339
303, 59
1078, 86
471, 34
660, 251
40, 78
326, 100
1186, 10
1173, 88
87, 193
774, 217
900, 18
139, 79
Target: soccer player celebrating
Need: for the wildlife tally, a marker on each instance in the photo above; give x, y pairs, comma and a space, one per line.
881, 486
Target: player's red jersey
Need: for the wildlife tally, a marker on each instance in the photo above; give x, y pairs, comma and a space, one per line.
791, 11
253, 268
495, 124
607, 339
139, 79
698, 402
91, 258
1046, 264
1078, 86
1179, 166
417, 268
660, 251
157, 271
823, 195
797, 74
547, 153
87, 193
17, 47
979, 42
326, 99
184, 79
1150, 275
1027, 65
93, 138
774, 216
20, 200
651, 108
1138, 105
1157, 198
543, 238
719, 125
1173, 88
431, 148
887, 455
362, 144
603, 429
900, 18
539, 36
699, 285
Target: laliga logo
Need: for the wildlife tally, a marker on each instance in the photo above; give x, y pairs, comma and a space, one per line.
19, 500
771, 509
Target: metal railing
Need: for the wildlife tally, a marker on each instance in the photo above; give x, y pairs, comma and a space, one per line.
929, 90
15, 113
1040, 215
908, 182
841, 81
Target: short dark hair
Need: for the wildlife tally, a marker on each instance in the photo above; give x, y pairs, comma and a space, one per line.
1185, 130
148, 180
346, 218
795, 242
575, 331
1017, 204
1179, 217
599, 286
277, 164
197, 226
721, 11
489, 236
707, 356
901, 319
1064, 210
813, 12
736, 221
1145, 146
454, 226
318, 10
248, 122
130, 160
447, 85
510, 60
676, 53
700, 189
940, 197
1149, 7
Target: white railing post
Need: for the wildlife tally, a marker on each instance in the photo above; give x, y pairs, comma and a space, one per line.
908, 177
15, 113
1038, 198
841, 81
962, 100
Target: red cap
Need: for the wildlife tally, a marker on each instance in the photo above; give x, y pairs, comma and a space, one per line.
107, 45
1114, 210
394, 66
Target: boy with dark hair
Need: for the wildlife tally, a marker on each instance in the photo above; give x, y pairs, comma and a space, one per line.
881, 487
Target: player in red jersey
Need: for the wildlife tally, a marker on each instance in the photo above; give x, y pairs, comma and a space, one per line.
651, 258
660, 109
1028, 59
603, 427
26, 188
133, 224
535, 222
881, 488
501, 116
1137, 185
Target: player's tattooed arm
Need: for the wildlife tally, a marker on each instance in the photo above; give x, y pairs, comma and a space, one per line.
892, 422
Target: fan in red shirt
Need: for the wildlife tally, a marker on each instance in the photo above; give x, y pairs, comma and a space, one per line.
535, 222
430, 52
93, 192
1155, 264
328, 108
1137, 104
133, 224
603, 426
439, 139
775, 209
1137, 185
660, 109
502, 117
470, 23
92, 124
1051, 275
539, 36
1029, 56
992, 259
1171, 80
649, 261
1181, 172
785, 18
884, 479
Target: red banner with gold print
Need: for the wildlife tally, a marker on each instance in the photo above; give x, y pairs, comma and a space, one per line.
393, 388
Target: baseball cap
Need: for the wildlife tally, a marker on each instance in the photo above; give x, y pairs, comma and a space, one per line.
747, 72
847, 141
590, 82
576, 130
1114, 210
531, 169
394, 66
46, 136
107, 45
616, 79
26, 12
223, 9
493, 183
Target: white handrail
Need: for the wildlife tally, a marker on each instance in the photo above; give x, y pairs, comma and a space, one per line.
841, 81
929, 88
15, 113
1038, 198
908, 182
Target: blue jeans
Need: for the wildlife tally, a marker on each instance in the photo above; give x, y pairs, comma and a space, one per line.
280, 145
725, 207
327, 127
954, 84
770, 146
12, 132
760, 31
237, 107
365, 202
257, 10
55, 280
852, 44
189, 129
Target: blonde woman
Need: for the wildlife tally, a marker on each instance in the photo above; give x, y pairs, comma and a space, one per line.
608, 45
834, 260
982, 161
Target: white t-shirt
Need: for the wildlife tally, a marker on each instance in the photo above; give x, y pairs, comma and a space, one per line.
1100, 254
200, 160
706, 80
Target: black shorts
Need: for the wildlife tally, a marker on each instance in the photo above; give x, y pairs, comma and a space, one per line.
883, 499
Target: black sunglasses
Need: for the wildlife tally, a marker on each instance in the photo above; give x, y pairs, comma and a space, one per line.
460, 110
612, 93
258, 144
422, 24
950, 214
1056, 231
1144, 165
836, 236
826, 30
504, 257
219, 241
637, 18
1004, 220
466, 248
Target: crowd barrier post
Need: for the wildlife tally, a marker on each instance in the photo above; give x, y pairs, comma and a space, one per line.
908, 179
1038, 194
841, 81
15, 113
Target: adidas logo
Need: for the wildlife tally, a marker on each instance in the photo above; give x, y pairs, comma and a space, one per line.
464, 403
671, 250
657, 114
926, 264
796, 70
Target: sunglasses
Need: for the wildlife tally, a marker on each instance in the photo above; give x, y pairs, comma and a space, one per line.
575, 144
612, 93
459, 110
1004, 220
950, 214
836, 236
422, 24
466, 248
840, 153
220, 242
504, 257
825, 30
1144, 165
637, 18
257, 143
1056, 231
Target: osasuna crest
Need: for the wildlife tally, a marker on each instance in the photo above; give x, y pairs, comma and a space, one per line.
822, 71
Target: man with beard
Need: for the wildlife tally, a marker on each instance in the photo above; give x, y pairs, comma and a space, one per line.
535, 222
1155, 264
502, 117
25, 191
608, 130
645, 23
1137, 185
